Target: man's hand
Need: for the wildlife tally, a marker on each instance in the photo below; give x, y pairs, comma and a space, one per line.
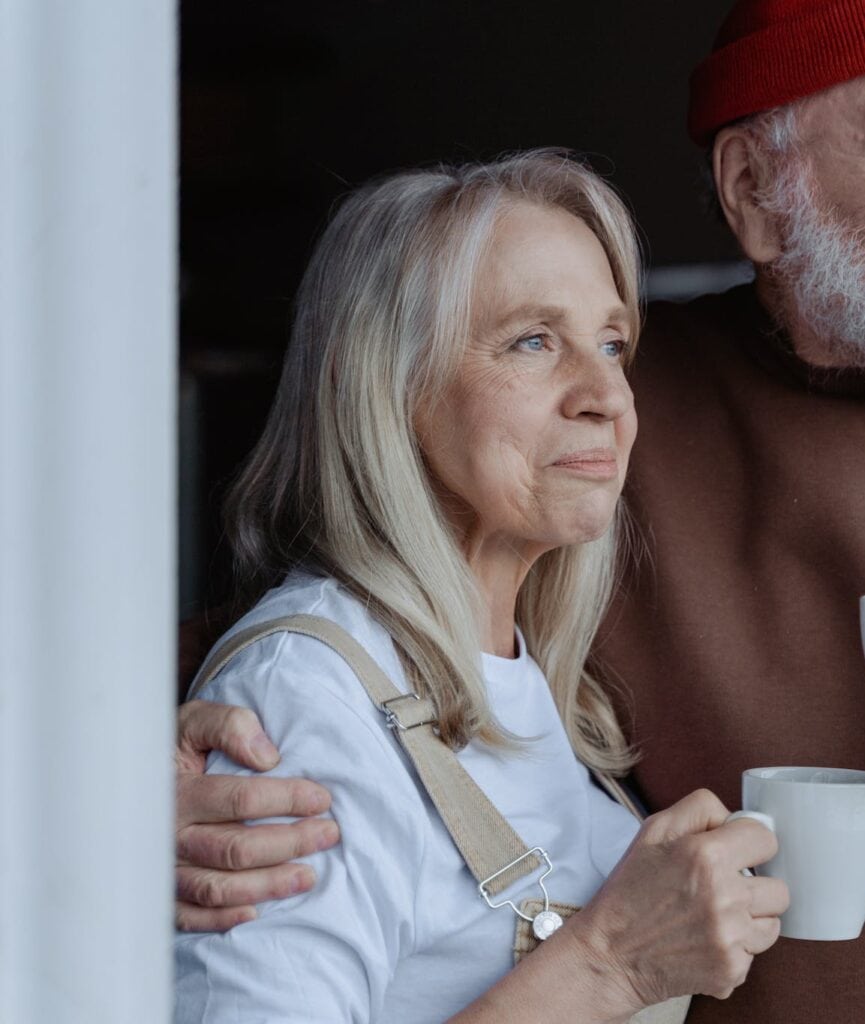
223, 866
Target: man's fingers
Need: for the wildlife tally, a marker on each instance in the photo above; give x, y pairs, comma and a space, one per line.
189, 918
235, 847
205, 887
209, 798
204, 725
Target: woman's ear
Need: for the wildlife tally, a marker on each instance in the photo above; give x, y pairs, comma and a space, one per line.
740, 172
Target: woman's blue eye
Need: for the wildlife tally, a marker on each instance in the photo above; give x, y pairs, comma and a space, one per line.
534, 343
615, 347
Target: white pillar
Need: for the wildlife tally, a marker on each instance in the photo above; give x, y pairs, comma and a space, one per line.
87, 463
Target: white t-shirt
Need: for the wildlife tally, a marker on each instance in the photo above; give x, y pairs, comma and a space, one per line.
394, 930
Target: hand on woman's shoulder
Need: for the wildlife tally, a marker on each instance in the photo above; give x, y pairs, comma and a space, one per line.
361, 911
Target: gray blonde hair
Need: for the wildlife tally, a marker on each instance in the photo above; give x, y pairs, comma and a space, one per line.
337, 482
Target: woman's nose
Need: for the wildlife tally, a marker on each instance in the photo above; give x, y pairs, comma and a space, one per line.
599, 391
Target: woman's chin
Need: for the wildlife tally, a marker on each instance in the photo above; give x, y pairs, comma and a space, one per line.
586, 534
570, 535
590, 524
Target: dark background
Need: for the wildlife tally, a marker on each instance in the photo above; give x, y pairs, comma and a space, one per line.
285, 105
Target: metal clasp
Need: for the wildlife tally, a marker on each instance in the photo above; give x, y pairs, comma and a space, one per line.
482, 888
391, 717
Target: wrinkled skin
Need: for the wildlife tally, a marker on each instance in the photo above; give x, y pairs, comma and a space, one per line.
675, 917
224, 867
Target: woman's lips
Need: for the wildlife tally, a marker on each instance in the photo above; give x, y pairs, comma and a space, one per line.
595, 463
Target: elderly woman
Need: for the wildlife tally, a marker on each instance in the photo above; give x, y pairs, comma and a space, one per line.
439, 477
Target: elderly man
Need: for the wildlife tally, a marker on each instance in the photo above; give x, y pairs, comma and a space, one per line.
735, 636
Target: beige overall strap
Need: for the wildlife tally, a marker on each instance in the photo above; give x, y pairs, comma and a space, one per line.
488, 844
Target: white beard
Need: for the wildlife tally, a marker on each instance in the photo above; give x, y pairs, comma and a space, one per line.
820, 275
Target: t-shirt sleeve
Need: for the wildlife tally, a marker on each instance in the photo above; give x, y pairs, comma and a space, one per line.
327, 955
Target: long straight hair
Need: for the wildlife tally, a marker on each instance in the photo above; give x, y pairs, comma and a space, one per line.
337, 482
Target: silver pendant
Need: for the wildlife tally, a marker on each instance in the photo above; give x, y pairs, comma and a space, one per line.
545, 923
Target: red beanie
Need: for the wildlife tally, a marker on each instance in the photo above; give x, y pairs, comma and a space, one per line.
771, 52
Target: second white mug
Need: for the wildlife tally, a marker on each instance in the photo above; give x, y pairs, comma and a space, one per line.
862, 621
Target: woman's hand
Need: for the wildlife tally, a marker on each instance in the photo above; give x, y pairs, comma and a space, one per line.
223, 866
677, 916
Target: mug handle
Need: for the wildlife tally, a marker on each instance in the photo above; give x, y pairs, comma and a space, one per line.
764, 819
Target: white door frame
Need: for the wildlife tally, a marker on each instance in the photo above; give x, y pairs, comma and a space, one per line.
87, 508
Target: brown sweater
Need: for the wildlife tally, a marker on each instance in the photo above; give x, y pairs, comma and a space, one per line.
737, 640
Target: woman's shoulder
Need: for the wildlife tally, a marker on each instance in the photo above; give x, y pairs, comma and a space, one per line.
285, 668
319, 716
307, 593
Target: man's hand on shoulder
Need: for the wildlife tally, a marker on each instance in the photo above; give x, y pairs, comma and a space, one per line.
225, 867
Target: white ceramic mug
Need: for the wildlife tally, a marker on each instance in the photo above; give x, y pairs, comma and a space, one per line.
862, 620
818, 815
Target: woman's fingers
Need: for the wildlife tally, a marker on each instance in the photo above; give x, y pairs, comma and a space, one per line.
699, 811
209, 798
747, 843
233, 847
764, 933
769, 897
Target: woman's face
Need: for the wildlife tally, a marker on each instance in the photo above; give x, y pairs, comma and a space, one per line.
530, 444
